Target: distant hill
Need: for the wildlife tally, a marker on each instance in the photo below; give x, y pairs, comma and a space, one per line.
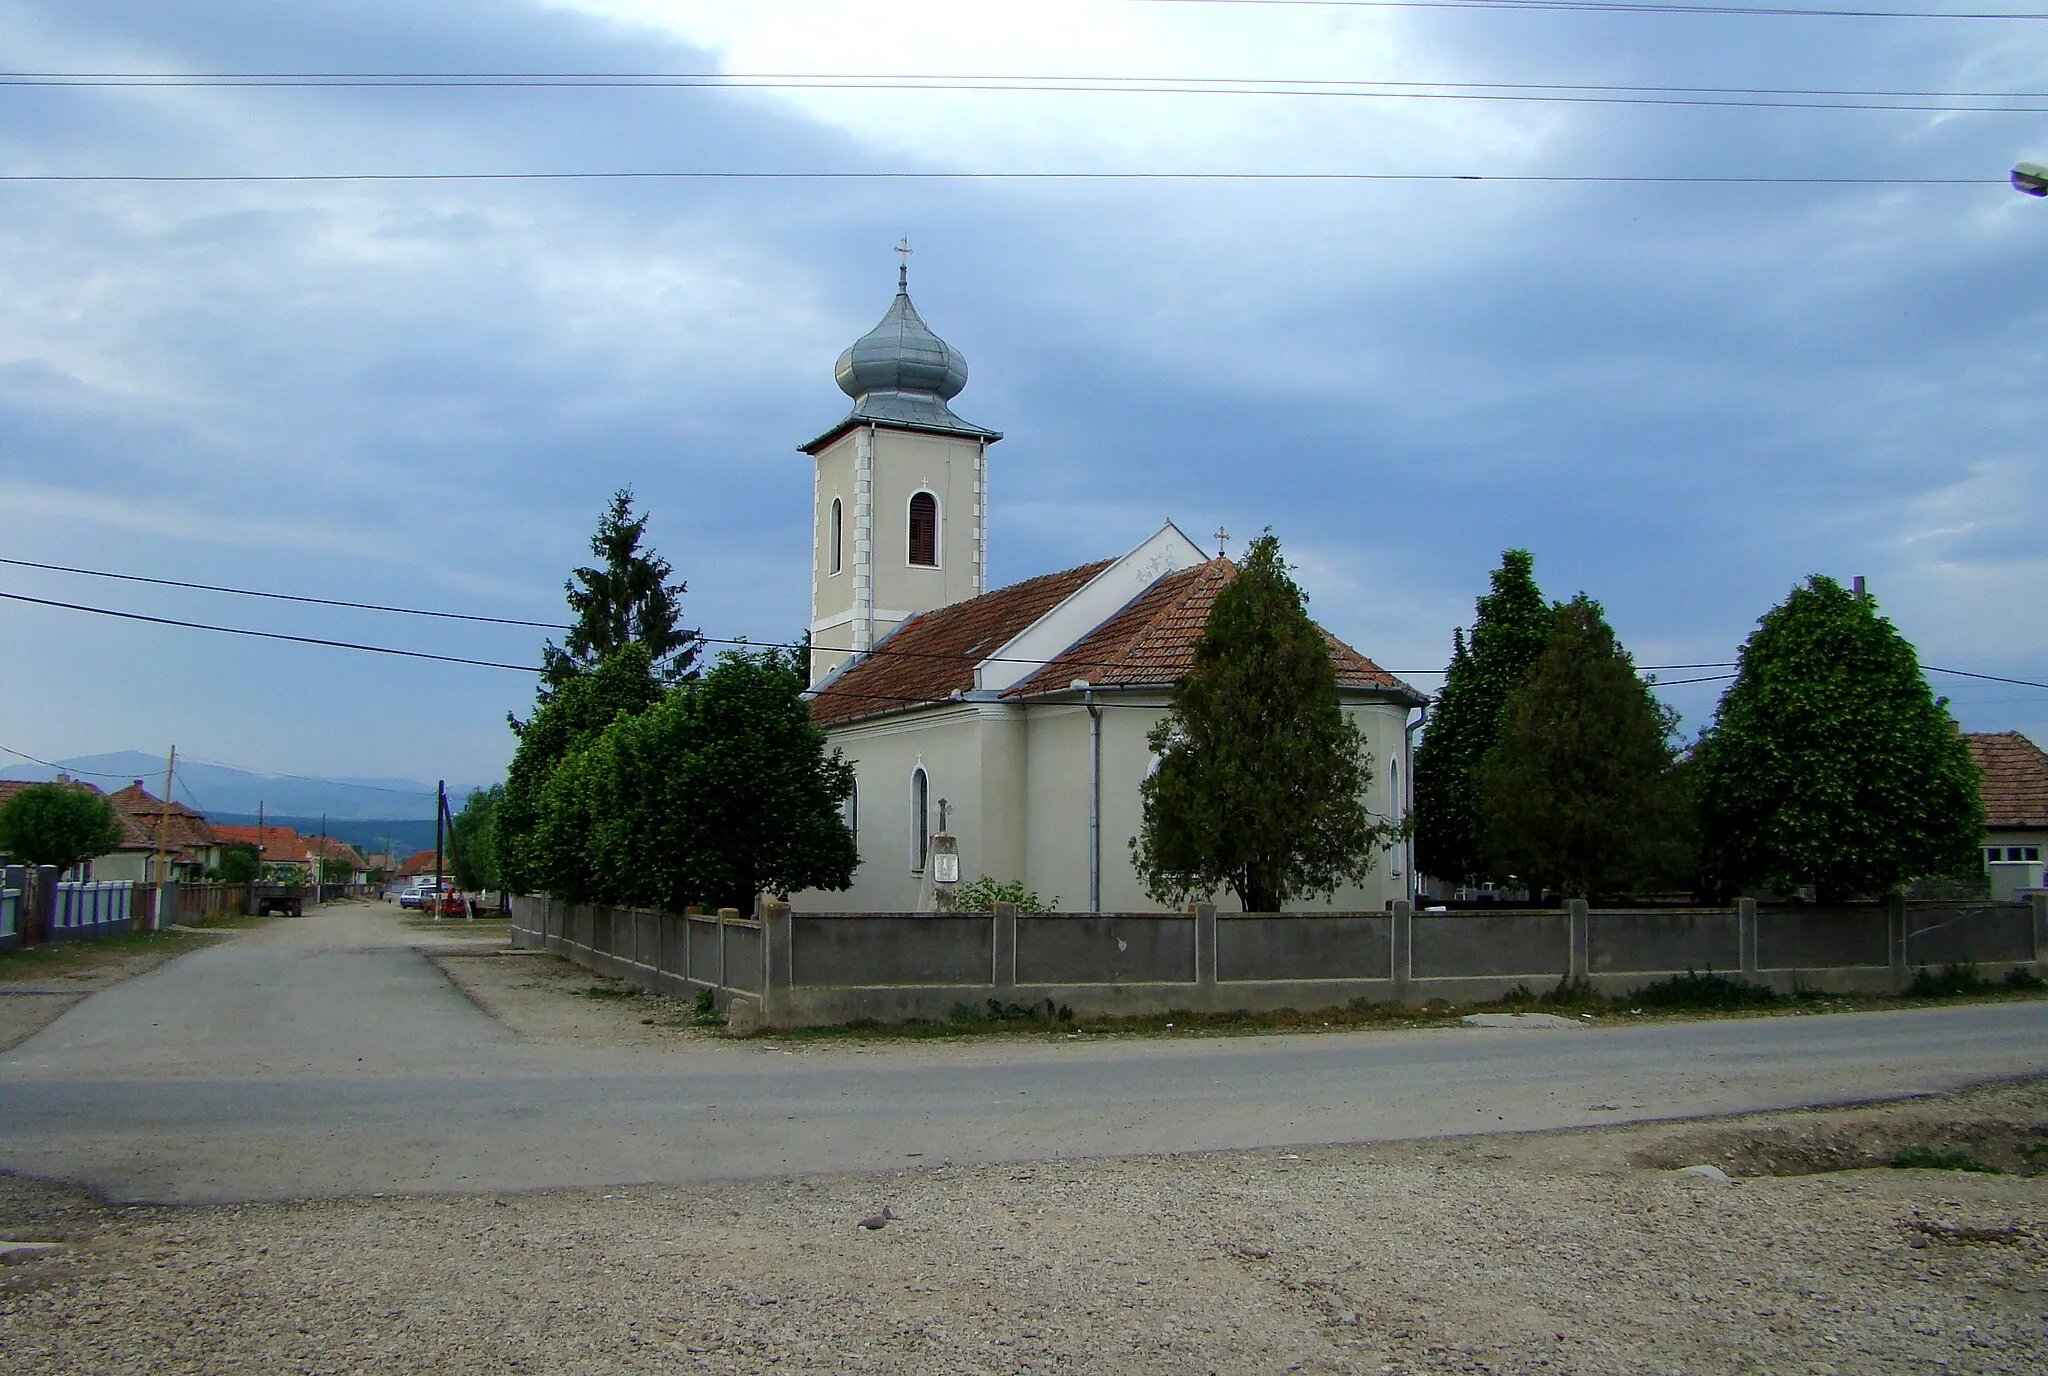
221, 792
369, 835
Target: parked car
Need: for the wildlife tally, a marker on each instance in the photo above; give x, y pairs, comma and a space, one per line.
417, 895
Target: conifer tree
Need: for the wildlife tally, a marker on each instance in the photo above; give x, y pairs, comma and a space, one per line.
627, 599
1581, 794
1510, 624
1261, 777
1830, 761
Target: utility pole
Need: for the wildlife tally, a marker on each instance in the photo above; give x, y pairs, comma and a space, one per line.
163, 826
320, 865
440, 811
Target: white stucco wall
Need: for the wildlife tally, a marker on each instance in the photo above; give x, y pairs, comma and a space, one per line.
906, 462
1016, 783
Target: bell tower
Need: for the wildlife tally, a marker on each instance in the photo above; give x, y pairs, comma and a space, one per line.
900, 497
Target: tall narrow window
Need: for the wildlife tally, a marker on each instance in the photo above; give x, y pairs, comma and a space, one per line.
924, 530
836, 534
850, 813
920, 819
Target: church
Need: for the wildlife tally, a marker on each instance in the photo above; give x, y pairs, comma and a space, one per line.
1014, 718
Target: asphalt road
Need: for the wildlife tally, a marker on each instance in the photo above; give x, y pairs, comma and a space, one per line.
325, 1057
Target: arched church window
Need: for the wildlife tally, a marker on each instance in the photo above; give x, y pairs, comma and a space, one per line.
850, 812
1394, 790
835, 534
920, 819
924, 530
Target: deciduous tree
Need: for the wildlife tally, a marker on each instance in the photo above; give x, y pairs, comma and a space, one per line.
1262, 777
1509, 627
1581, 792
1830, 761
475, 840
58, 824
574, 715
724, 790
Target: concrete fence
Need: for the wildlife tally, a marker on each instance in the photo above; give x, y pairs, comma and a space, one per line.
816, 968
10, 918
91, 910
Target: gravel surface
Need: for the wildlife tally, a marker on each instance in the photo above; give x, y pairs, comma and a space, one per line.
1550, 1252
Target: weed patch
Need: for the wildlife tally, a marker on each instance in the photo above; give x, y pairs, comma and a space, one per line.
1711, 991
1926, 1158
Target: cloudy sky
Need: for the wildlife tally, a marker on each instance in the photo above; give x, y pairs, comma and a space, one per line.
1683, 397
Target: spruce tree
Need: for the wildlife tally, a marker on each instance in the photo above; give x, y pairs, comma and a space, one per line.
1581, 794
627, 599
1830, 762
1262, 776
1510, 624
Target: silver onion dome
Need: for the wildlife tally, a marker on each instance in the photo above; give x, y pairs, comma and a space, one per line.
900, 374
902, 355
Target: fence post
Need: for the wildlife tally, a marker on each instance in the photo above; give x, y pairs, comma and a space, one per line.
1582, 939
2040, 902
1403, 952
1003, 971
41, 900
777, 966
1205, 954
725, 915
1745, 936
1895, 929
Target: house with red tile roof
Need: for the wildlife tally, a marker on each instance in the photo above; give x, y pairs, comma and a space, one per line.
2014, 786
1014, 718
191, 847
134, 859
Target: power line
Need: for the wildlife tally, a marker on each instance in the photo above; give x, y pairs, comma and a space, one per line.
268, 635
283, 596
1606, 7
696, 636
291, 178
1732, 97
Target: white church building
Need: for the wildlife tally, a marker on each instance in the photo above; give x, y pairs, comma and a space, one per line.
1017, 716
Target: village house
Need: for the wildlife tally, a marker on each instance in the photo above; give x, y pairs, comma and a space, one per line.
191, 846
1014, 718
2015, 792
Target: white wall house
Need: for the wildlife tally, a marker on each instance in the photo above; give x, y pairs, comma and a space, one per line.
948, 697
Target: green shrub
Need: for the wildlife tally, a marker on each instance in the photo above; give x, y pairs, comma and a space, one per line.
982, 895
1691, 990
1951, 981
2020, 978
1574, 993
704, 1012
1925, 1158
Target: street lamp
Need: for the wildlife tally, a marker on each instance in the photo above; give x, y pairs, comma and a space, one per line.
2031, 178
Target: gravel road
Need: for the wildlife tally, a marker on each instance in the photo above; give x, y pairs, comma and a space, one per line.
330, 1056
1539, 1253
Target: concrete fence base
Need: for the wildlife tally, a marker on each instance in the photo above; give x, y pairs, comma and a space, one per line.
821, 968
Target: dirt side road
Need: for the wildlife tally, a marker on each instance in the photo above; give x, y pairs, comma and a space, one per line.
1541, 1253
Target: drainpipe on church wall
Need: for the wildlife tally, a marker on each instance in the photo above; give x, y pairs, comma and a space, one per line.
1094, 793
1408, 794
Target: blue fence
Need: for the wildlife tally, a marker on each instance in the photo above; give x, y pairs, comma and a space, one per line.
89, 911
10, 919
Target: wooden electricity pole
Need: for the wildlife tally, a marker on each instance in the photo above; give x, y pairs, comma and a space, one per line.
163, 827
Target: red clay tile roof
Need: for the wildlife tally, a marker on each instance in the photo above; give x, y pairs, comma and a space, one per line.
2015, 784
1151, 642
134, 836
421, 862
932, 656
185, 831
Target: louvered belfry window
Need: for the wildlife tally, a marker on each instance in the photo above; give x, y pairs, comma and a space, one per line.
924, 530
